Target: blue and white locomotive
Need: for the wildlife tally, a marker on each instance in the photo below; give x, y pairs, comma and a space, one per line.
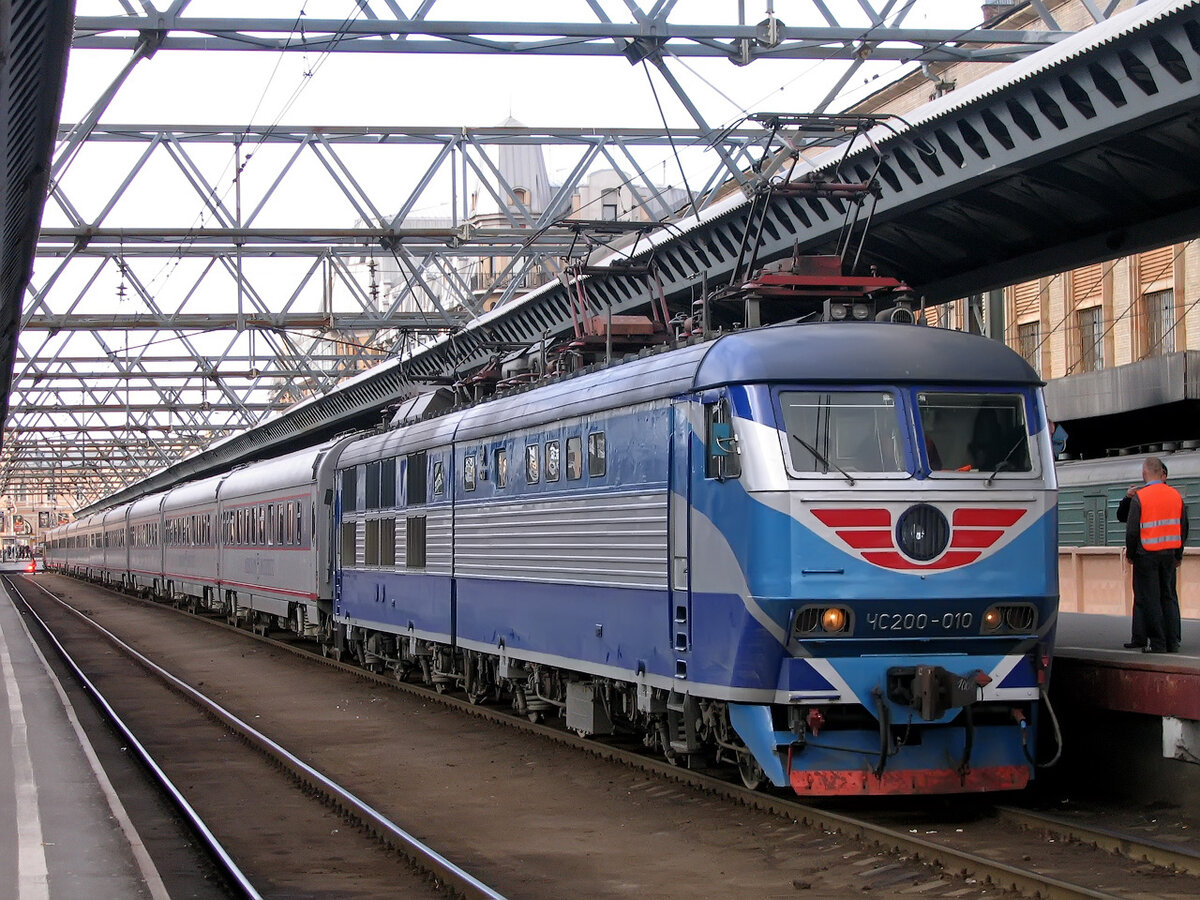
824, 553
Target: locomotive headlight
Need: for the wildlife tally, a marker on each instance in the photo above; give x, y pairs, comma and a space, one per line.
992, 619
833, 619
860, 311
837, 311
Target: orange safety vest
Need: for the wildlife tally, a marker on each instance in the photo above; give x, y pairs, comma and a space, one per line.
1162, 510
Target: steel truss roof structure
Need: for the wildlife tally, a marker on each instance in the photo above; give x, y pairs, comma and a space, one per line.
127, 364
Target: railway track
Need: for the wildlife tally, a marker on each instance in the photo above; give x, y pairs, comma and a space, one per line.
374, 838
987, 854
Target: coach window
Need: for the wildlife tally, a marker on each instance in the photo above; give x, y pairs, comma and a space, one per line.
552, 461
597, 456
532, 469
271, 538
291, 523
299, 523
469, 472
574, 458
501, 456
387, 483
722, 460
349, 489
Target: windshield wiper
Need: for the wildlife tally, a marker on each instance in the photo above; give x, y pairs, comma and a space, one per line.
821, 459
1004, 462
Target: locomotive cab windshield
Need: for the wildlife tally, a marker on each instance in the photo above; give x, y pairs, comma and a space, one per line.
974, 432
842, 432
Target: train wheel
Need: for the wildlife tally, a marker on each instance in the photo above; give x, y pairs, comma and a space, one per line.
752, 774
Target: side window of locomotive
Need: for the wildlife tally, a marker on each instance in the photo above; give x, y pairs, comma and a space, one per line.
349, 489
387, 483
349, 544
415, 542
373, 472
574, 458
469, 472
387, 542
552, 461
975, 432
439, 479
533, 472
842, 431
418, 492
501, 456
722, 460
597, 455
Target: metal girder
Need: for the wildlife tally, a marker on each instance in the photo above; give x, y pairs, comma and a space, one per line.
646, 37
219, 321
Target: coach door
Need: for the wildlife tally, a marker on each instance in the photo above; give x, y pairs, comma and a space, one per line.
680, 614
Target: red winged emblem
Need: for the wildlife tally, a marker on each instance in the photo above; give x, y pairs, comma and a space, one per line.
871, 534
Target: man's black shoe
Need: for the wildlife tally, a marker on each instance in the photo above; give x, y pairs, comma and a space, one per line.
1133, 645
1174, 649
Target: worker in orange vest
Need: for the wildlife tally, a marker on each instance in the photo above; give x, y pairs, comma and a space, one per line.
1155, 532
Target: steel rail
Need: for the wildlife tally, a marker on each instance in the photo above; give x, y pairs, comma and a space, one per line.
1002, 875
1148, 850
215, 848
421, 855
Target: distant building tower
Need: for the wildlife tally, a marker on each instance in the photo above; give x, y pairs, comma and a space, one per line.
523, 166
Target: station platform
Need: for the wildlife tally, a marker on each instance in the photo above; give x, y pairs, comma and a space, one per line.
1102, 674
64, 831
1130, 721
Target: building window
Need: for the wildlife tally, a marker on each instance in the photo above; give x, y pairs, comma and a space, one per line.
1091, 339
1160, 322
1028, 343
609, 205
